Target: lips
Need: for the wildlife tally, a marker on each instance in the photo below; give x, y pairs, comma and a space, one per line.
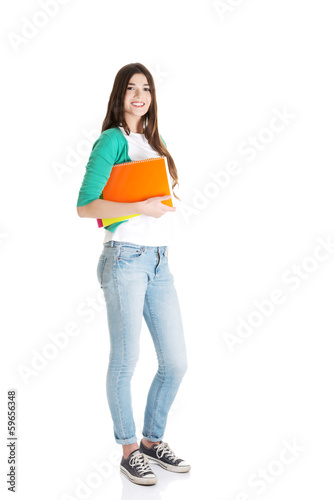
138, 104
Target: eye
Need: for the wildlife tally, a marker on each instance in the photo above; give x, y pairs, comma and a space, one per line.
131, 88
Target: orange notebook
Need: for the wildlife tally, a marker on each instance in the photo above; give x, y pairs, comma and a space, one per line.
136, 181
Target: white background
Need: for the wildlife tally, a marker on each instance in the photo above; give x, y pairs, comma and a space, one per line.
219, 77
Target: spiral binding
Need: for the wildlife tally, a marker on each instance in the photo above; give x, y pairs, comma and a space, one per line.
139, 161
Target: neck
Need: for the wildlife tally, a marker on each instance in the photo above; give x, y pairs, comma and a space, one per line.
134, 123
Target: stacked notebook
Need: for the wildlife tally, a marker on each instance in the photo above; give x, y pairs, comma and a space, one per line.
136, 181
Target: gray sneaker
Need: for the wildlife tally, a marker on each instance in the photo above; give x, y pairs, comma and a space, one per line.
164, 456
137, 469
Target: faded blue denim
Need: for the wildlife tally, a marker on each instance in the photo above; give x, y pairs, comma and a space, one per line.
136, 281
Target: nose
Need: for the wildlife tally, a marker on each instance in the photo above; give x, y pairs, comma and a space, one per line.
138, 94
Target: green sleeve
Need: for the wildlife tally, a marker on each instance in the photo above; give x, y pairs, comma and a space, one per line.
163, 141
98, 168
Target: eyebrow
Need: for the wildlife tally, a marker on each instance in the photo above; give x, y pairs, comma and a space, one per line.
135, 84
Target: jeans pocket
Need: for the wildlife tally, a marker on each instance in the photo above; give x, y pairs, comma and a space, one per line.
130, 252
100, 267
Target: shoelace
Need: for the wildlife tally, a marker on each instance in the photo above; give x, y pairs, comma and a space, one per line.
164, 449
140, 461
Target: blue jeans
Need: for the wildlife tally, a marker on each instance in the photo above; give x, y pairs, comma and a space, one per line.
137, 282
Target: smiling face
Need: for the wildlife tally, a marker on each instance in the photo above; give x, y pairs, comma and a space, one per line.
137, 100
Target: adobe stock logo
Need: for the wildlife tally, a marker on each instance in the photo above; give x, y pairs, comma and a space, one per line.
75, 155
100, 472
226, 7
3, 236
48, 354
30, 28
268, 474
249, 148
264, 308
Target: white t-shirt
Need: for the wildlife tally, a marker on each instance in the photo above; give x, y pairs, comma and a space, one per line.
144, 229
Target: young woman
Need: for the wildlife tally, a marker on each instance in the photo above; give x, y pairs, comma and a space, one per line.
134, 274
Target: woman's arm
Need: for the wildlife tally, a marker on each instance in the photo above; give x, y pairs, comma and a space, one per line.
104, 209
90, 204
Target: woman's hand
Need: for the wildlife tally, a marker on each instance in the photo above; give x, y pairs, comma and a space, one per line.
154, 207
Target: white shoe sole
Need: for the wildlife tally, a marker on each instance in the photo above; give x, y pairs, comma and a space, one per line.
139, 480
171, 468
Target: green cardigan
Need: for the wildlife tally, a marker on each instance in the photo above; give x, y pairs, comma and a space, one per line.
109, 149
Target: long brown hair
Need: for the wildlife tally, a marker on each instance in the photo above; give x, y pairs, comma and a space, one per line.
115, 113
